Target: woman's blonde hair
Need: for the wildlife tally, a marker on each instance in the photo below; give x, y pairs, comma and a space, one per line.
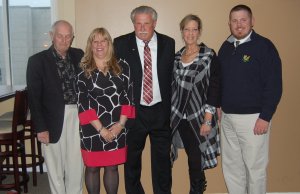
188, 18
88, 64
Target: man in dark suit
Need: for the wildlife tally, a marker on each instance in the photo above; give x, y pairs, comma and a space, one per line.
150, 56
52, 97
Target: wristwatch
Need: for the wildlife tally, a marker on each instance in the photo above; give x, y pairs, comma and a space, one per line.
207, 122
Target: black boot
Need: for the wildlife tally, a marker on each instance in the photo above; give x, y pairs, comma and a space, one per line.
198, 182
198, 186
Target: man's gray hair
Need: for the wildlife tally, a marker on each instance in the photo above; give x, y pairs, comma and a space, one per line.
143, 9
55, 24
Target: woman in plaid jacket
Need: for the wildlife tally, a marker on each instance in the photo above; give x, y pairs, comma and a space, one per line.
195, 97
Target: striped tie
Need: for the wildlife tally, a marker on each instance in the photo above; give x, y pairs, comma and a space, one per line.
147, 84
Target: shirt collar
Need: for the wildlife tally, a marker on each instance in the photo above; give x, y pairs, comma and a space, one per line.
243, 40
152, 40
57, 56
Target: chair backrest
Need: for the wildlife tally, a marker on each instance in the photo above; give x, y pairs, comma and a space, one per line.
20, 109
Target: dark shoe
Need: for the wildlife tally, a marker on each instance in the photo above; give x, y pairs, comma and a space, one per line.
198, 186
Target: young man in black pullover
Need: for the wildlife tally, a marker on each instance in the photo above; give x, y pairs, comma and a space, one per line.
251, 91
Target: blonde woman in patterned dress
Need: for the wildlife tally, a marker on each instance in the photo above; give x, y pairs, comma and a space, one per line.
105, 104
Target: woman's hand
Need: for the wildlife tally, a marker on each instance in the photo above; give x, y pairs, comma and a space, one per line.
107, 135
116, 129
206, 126
205, 129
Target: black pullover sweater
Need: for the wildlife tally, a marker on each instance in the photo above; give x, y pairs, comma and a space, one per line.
251, 77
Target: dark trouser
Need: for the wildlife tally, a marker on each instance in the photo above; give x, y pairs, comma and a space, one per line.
150, 121
191, 146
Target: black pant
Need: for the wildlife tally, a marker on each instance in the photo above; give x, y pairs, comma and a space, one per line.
150, 121
191, 146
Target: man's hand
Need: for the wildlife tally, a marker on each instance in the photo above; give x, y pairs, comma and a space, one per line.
43, 137
261, 127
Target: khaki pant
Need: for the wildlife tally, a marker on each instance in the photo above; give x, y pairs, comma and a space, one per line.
63, 159
244, 155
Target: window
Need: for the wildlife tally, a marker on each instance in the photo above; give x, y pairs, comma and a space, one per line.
24, 31
2, 45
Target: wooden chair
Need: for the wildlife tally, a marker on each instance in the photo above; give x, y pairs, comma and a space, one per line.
12, 145
36, 156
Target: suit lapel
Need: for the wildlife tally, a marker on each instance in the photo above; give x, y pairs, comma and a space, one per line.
53, 69
160, 49
136, 64
134, 53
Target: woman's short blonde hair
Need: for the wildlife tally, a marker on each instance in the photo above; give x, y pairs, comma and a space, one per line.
189, 18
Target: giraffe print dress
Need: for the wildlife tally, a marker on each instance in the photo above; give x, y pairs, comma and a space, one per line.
104, 97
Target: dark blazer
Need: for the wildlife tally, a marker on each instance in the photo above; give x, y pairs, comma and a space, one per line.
46, 101
126, 48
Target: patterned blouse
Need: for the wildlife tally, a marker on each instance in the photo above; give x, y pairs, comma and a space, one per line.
67, 75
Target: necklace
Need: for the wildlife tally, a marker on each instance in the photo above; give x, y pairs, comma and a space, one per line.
186, 53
